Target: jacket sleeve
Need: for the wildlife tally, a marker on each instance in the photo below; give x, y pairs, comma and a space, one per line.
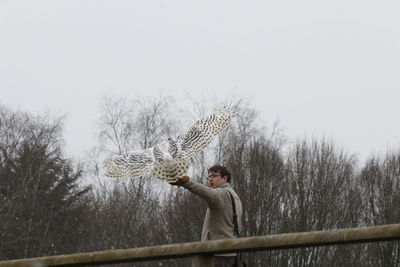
210, 195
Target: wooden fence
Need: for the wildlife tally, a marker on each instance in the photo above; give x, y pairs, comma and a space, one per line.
256, 243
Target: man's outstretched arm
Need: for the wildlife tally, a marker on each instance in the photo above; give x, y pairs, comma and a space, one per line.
211, 196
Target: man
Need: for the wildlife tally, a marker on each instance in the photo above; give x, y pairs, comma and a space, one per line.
218, 222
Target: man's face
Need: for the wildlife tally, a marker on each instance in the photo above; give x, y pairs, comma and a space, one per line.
215, 179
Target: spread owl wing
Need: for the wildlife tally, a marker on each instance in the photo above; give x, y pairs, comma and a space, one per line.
132, 164
202, 132
148, 161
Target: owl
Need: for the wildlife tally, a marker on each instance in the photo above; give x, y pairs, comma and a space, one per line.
170, 159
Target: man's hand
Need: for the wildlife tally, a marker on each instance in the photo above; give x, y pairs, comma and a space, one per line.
181, 181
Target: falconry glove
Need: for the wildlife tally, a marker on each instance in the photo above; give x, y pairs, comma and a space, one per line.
181, 181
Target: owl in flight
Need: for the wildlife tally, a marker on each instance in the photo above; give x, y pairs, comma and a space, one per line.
169, 160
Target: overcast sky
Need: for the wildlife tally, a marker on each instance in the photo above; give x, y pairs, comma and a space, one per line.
324, 68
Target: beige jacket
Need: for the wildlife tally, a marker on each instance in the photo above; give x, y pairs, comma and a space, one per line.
218, 222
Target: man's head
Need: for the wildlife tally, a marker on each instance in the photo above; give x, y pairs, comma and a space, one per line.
218, 175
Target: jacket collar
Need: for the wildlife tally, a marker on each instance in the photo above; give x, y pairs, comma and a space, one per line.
225, 185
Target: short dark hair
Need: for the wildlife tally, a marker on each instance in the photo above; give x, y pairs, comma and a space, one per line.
221, 170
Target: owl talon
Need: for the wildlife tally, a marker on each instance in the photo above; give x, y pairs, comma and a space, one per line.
180, 181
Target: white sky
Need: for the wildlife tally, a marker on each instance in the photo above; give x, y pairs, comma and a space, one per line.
324, 68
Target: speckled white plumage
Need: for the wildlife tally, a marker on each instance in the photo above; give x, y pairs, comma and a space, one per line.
169, 160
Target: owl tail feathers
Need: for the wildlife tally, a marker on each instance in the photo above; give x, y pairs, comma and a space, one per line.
171, 171
113, 170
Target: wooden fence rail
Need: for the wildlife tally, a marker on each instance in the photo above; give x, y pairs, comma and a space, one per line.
256, 243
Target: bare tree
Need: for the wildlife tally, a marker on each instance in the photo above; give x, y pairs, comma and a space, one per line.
380, 180
127, 124
318, 179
